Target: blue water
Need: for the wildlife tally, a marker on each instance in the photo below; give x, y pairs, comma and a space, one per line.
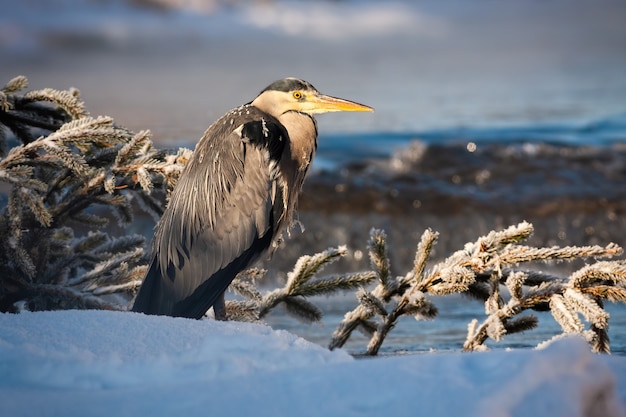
338, 149
446, 332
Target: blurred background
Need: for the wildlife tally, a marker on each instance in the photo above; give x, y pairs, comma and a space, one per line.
487, 112
174, 66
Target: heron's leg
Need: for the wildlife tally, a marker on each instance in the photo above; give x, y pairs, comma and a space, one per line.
219, 308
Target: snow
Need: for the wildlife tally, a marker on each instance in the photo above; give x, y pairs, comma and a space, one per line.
102, 363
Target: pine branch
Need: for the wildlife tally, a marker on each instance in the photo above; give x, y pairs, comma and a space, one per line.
518, 254
336, 283
69, 101
521, 324
419, 306
244, 285
379, 259
90, 219
515, 282
135, 147
307, 266
424, 249
75, 163
601, 272
302, 309
371, 304
479, 270
512, 234
301, 283
588, 307
15, 84
564, 315
55, 297
357, 318
599, 340
35, 204
606, 292
245, 311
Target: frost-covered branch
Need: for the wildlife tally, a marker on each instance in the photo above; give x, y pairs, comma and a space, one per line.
65, 172
481, 269
301, 283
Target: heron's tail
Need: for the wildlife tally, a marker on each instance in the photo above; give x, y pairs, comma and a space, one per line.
148, 300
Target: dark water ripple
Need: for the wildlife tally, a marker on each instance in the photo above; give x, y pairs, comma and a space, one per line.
573, 191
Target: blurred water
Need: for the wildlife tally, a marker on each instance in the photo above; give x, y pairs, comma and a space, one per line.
338, 149
423, 65
446, 332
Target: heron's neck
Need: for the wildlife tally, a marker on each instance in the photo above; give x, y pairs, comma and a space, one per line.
302, 130
296, 159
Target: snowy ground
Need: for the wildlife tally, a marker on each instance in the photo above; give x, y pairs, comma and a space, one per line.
98, 363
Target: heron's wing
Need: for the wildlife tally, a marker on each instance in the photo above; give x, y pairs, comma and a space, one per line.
223, 214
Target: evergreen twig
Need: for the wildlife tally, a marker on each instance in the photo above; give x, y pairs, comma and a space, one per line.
68, 168
480, 269
301, 283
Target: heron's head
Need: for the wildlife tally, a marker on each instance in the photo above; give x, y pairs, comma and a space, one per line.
293, 94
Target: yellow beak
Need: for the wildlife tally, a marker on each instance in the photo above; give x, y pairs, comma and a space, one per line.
323, 104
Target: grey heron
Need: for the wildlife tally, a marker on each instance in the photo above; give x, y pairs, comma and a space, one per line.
235, 197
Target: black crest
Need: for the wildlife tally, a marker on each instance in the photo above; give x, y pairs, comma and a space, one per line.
289, 84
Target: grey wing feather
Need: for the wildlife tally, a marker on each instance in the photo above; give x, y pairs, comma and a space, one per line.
223, 214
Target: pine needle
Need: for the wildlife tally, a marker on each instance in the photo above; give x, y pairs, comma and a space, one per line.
67, 100
378, 256
246, 289
607, 292
587, 307
372, 304
245, 311
303, 310
518, 254
307, 266
514, 283
613, 272
15, 84
337, 283
564, 315
424, 248
521, 324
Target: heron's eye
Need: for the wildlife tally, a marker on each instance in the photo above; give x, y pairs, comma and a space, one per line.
297, 95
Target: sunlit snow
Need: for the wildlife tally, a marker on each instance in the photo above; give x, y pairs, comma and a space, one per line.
100, 363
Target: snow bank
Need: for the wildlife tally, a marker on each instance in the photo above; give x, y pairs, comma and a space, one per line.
97, 363
95, 349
